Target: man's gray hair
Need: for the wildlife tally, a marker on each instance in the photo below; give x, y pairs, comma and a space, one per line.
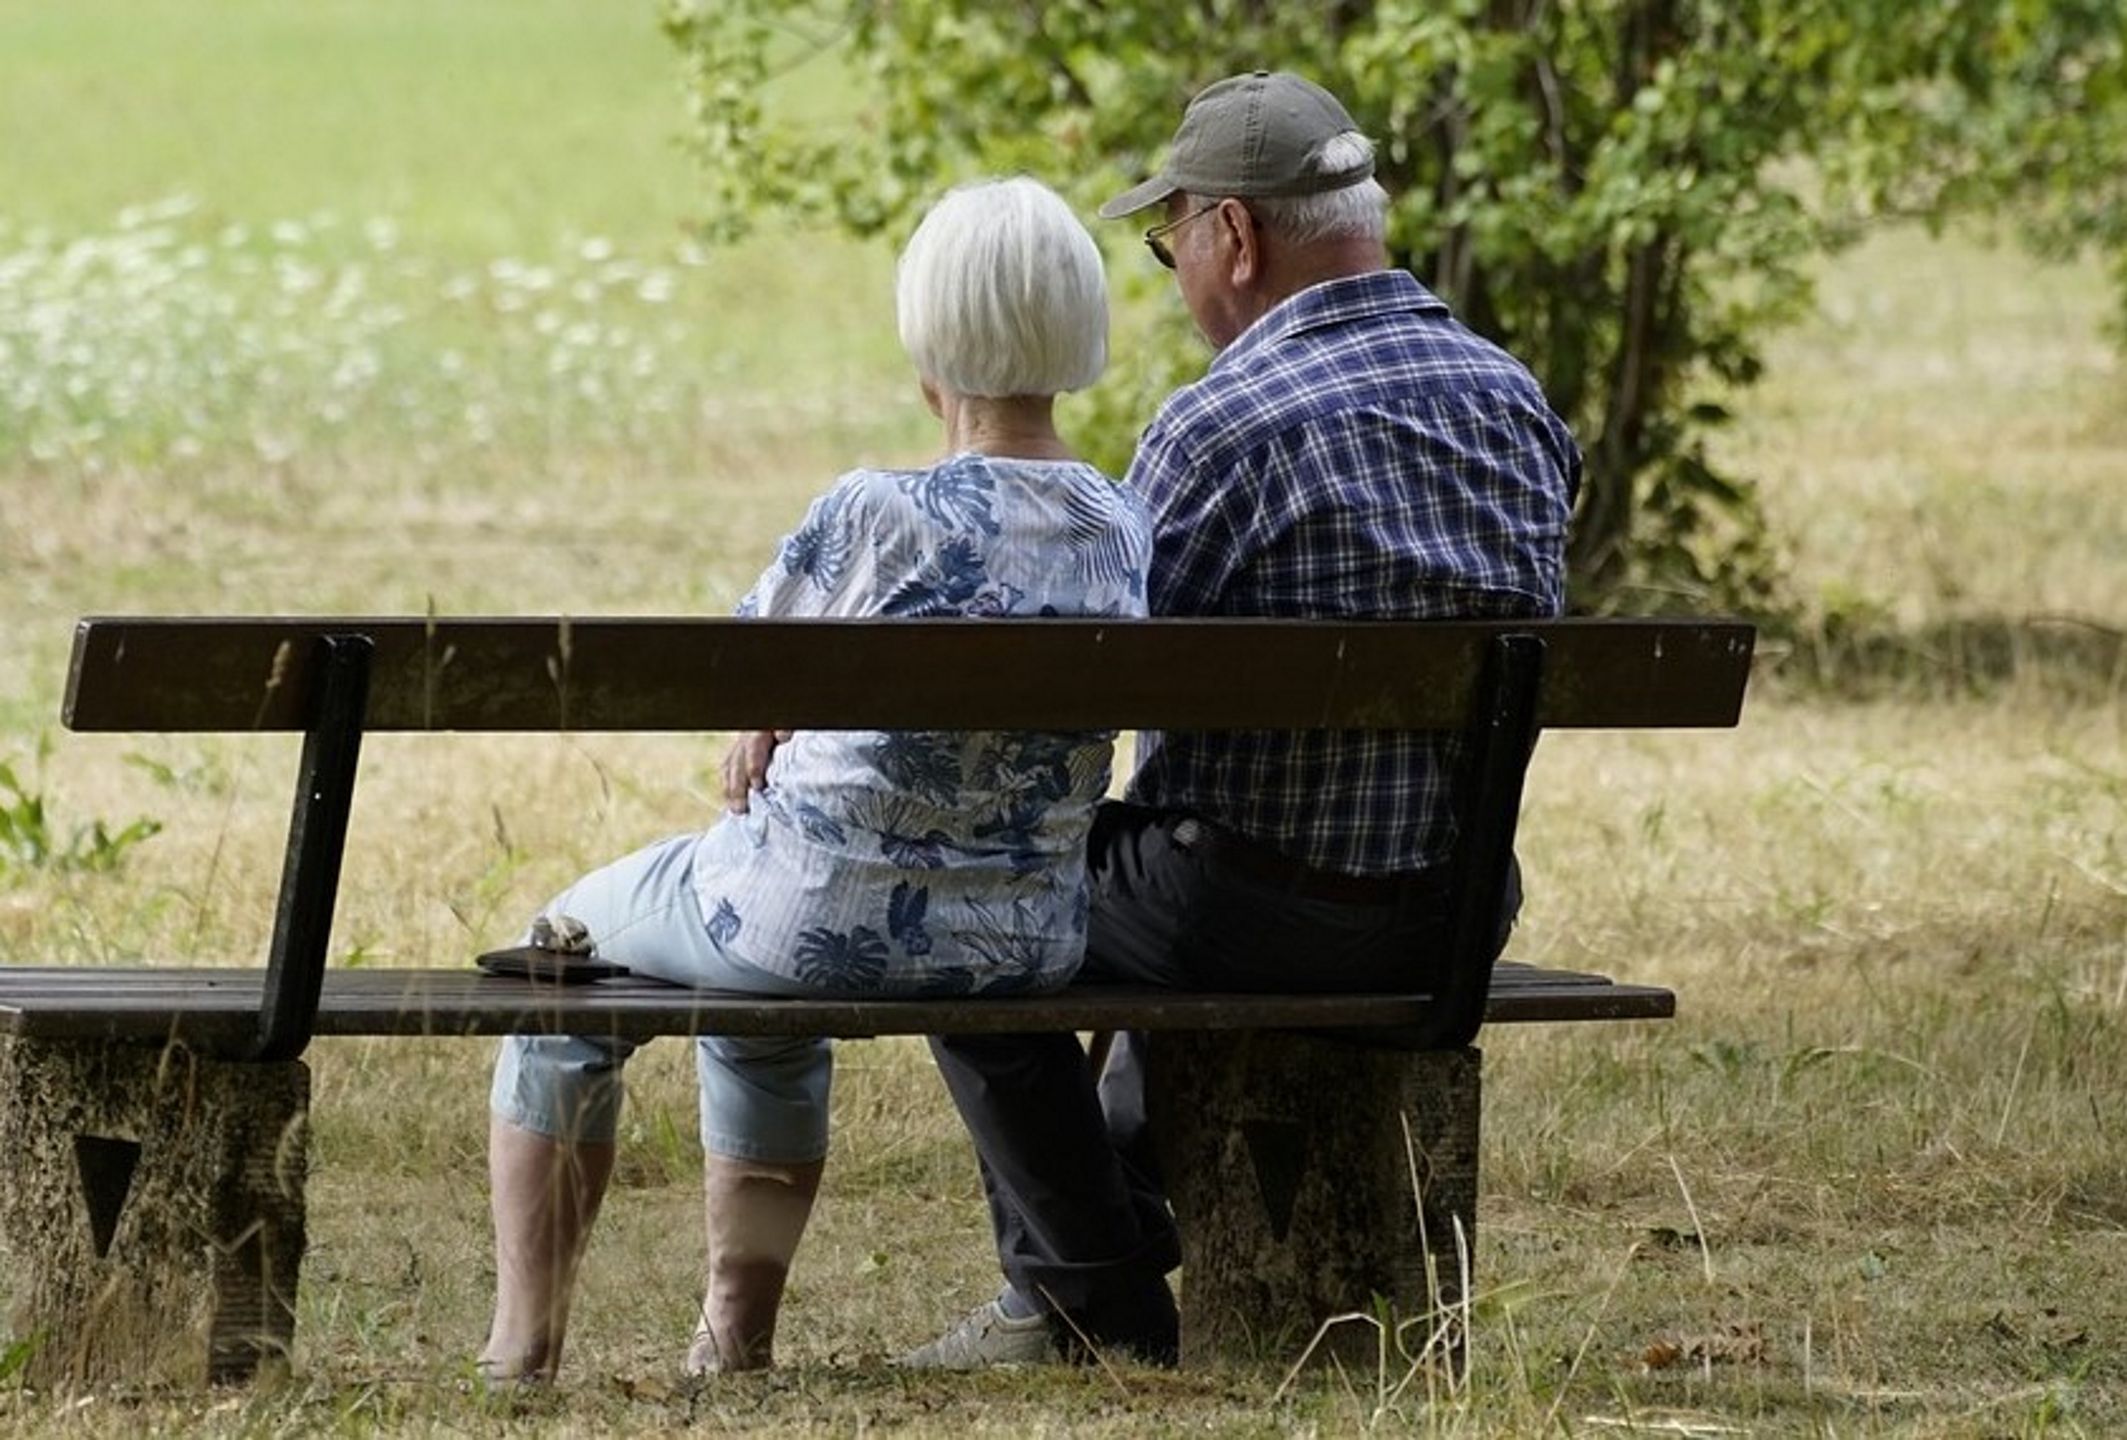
1001, 292
1355, 212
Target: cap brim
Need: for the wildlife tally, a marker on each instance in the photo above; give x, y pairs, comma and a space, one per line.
1139, 197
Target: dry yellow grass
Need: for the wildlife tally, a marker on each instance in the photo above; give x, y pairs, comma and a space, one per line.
1944, 438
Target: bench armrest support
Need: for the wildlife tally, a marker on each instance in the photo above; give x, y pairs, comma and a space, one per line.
317, 838
1501, 734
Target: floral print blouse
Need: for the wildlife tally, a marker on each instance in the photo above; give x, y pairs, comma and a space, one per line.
929, 861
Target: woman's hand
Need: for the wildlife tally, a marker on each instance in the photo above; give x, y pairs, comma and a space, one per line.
746, 766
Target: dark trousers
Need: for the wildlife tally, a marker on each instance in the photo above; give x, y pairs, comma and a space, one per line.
1082, 1225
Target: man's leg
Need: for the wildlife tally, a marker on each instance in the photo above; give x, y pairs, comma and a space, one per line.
1080, 1219
1081, 1232
1077, 1234
1244, 938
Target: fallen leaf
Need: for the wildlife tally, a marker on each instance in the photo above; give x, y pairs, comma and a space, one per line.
1733, 1344
651, 1391
1661, 1355
1730, 1345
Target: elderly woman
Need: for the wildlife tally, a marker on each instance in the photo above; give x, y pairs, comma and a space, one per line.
910, 863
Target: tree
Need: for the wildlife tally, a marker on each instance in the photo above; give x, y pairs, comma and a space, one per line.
1625, 193
2023, 119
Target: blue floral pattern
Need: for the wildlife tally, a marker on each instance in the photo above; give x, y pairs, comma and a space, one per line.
925, 763
956, 496
818, 825
944, 583
819, 550
724, 924
904, 918
928, 861
834, 960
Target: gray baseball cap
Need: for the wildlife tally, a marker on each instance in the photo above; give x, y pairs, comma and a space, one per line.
1249, 135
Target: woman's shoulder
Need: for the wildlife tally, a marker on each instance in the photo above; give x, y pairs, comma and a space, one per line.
892, 487
981, 493
960, 492
861, 482
867, 498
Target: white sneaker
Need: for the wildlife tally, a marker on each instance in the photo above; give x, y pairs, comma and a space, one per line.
986, 1336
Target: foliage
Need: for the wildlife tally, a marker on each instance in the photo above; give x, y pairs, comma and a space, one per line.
2027, 120
15, 1354
1626, 193
29, 841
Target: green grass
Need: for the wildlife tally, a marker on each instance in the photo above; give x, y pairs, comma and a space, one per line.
1869, 1182
485, 128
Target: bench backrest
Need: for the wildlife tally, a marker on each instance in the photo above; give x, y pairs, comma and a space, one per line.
1497, 682
689, 675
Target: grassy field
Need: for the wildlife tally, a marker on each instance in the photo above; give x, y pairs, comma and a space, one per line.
373, 307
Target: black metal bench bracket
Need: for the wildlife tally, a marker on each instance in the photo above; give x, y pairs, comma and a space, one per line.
1500, 736
317, 838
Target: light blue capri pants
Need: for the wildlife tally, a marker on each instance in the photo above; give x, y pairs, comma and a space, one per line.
763, 1097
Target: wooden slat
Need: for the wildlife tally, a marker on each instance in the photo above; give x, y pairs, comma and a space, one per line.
547, 674
217, 1007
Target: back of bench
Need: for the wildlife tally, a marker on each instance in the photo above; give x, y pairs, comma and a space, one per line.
1496, 682
183, 675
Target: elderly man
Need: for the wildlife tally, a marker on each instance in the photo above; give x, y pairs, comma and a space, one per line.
1352, 452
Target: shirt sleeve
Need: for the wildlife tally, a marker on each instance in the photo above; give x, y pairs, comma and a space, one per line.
1194, 540
824, 567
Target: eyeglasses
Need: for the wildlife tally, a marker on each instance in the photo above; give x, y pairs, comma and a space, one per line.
1155, 238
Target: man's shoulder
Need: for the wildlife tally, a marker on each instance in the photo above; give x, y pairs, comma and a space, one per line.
1196, 416
1311, 374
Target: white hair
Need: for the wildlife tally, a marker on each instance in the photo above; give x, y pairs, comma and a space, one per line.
1354, 212
1001, 292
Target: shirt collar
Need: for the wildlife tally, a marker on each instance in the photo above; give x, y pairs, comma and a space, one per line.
1341, 301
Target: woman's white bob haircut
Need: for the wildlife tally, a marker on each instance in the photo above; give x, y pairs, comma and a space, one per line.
1001, 292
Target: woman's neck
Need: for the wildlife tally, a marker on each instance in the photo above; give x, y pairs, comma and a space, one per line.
1018, 427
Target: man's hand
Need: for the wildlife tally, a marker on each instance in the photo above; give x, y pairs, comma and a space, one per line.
746, 765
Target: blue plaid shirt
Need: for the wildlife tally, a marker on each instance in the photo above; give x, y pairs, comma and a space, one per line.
1356, 454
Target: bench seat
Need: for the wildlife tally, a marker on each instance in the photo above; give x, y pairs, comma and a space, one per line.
211, 1007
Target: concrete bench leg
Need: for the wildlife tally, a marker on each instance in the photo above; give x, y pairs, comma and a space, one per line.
154, 1213
1312, 1179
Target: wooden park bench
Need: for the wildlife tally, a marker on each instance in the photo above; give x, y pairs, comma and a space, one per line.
156, 1116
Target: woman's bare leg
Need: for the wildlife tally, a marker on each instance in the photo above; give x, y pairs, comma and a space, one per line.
755, 1216
544, 1195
